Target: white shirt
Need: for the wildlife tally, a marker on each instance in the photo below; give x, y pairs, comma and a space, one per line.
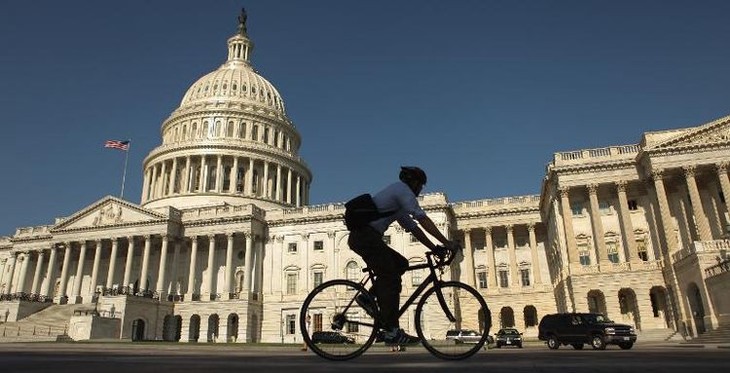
400, 198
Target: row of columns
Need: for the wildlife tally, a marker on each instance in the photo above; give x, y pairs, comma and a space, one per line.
161, 181
701, 226
9, 266
492, 273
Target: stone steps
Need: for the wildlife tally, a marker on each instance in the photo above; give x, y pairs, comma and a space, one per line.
719, 335
658, 335
45, 325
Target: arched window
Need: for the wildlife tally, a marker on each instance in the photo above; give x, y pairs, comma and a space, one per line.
242, 130
229, 129
205, 133
352, 271
194, 132
255, 133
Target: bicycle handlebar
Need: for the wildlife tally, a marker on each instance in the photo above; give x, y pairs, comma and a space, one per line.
449, 254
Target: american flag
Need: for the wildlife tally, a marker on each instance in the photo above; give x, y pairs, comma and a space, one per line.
116, 144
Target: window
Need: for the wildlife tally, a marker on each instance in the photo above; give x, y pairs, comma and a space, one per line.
317, 278
292, 248
291, 283
585, 256
503, 278
633, 205
525, 276
641, 249
482, 279
291, 324
576, 209
353, 327
353, 271
612, 251
386, 239
416, 277
604, 207
477, 245
318, 245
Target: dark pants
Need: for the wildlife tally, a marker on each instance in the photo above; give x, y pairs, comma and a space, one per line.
388, 266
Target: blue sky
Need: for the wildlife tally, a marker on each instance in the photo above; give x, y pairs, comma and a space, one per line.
479, 93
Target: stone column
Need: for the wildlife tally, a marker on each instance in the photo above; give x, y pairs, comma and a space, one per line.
175, 258
173, 177
144, 286
24, 260
50, 273
492, 274
64, 271
128, 265
597, 225
211, 263
203, 175
533, 249
248, 265
191, 271
229, 267
288, 187
233, 176
219, 174
163, 173
299, 190
161, 270
112, 263
3, 262
185, 185
266, 180
248, 178
11, 274
512, 256
468, 258
568, 225
95, 268
37, 273
671, 242
153, 183
724, 184
278, 182
702, 226
76, 291
146, 184
632, 255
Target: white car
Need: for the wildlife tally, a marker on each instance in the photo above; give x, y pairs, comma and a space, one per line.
466, 336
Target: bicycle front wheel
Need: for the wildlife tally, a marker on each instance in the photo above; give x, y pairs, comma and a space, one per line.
338, 328
452, 320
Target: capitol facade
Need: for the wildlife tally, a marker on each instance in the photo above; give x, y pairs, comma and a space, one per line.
224, 245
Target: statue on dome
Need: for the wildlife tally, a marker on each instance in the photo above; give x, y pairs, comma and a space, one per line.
242, 22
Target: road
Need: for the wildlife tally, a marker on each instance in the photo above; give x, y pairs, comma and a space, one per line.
179, 358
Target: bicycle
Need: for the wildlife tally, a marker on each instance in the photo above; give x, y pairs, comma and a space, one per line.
342, 330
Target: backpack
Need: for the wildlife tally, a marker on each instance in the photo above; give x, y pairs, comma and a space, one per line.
361, 210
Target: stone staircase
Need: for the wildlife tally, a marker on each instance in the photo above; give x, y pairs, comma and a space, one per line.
658, 335
49, 324
719, 335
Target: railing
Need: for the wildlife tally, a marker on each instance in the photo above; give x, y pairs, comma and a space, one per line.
721, 267
26, 297
20, 331
577, 156
716, 246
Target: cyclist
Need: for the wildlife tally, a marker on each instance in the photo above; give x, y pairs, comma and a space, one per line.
387, 264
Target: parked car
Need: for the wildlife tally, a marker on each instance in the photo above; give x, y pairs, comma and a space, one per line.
508, 337
331, 337
577, 329
466, 336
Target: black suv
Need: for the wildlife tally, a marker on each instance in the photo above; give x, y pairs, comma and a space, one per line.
575, 329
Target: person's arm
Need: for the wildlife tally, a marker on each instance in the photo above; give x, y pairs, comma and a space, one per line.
430, 227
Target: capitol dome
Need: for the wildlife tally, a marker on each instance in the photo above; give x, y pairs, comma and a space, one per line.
229, 142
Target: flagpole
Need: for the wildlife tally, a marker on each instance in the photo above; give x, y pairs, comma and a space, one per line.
124, 175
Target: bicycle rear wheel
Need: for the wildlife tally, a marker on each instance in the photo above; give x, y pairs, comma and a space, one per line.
339, 328
446, 309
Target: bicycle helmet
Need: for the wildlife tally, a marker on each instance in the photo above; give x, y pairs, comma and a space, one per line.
412, 173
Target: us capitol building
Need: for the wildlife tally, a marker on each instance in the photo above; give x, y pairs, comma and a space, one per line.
224, 246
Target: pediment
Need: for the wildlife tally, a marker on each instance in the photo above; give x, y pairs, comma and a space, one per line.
711, 134
109, 211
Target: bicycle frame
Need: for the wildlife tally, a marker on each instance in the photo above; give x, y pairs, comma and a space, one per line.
431, 280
